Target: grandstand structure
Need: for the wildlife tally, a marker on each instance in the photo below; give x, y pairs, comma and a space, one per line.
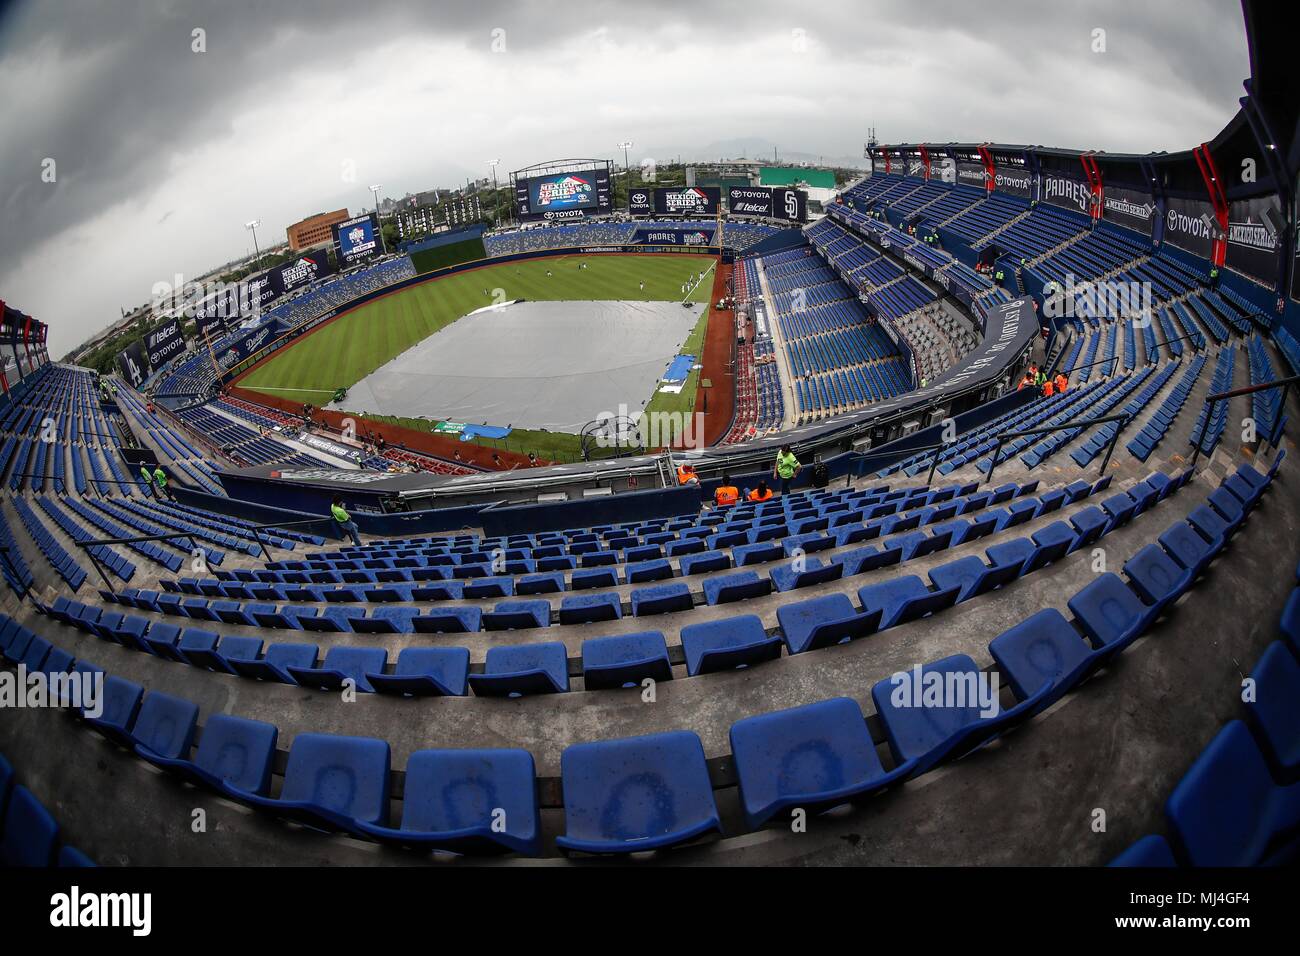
590, 661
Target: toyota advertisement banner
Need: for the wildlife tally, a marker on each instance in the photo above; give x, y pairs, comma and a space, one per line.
641, 202
1014, 181
1129, 208
164, 343
749, 201
1187, 225
132, 364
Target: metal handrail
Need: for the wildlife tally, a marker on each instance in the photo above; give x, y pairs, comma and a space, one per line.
1123, 417
1211, 400
135, 539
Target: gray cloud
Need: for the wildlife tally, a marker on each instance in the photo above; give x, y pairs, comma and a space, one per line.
162, 153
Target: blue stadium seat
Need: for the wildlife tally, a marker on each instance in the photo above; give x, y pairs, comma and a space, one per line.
1043, 650
466, 801
625, 660
1150, 851
30, 835
661, 599
523, 669
928, 733
120, 703
518, 615
1156, 577
342, 663
332, 782
813, 757
972, 577
1228, 811
1110, 613
425, 672
1274, 711
275, 663
636, 794
904, 599
165, 726
235, 756
823, 621
727, 644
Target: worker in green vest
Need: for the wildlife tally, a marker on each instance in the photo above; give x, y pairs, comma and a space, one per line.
160, 479
786, 467
344, 520
148, 478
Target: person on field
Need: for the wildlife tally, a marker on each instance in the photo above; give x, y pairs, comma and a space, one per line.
761, 493
727, 494
786, 468
160, 479
344, 520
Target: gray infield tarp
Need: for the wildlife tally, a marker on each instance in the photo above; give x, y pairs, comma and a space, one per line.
552, 365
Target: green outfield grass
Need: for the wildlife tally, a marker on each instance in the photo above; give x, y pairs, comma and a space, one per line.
348, 349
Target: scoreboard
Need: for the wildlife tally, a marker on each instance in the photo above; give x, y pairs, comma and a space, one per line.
560, 191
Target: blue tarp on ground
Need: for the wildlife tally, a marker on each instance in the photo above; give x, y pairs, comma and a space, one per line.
679, 369
484, 431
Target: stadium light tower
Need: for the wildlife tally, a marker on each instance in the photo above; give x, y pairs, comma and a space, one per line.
251, 226
496, 197
627, 170
378, 224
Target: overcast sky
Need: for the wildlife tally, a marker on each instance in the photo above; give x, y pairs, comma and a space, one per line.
162, 154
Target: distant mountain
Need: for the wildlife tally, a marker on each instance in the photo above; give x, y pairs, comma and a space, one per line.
755, 148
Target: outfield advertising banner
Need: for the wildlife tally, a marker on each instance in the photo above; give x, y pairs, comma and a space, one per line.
164, 343
1129, 208
688, 201
1253, 240
1014, 181
642, 202
971, 174
132, 364
208, 328
251, 341
355, 240
749, 201
791, 204
674, 237
262, 290
306, 269
1067, 192
1186, 226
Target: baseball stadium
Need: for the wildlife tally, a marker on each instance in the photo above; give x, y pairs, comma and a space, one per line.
924, 518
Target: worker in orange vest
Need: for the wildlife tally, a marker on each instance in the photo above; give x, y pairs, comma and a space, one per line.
686, 475
761, 493
1049, 389
726, 494
1062, 383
